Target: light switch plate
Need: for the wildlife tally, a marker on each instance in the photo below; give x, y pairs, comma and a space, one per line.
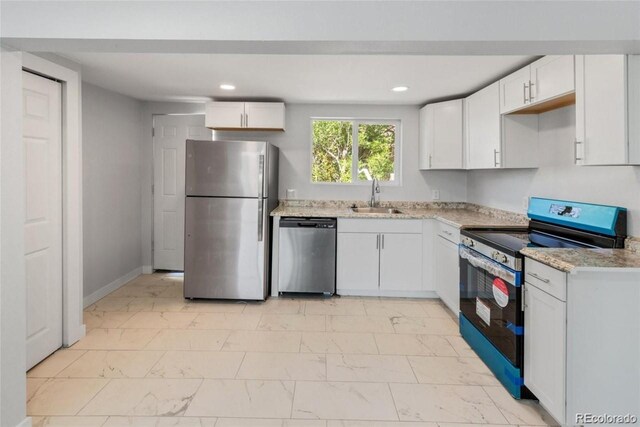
435, 194
525, 203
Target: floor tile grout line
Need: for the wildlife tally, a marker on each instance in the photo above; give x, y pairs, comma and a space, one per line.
244, 356
293, 399
164, 353
393, 399
94, 396
412, 369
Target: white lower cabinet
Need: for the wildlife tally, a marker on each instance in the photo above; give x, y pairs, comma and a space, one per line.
401, 262
582, 341
447, 272
358, 261
545, 349
379, 257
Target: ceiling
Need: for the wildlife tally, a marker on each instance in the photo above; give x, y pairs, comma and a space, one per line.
293, 78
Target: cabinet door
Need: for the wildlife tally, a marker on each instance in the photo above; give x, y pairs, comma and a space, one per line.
264, 115
551, 77
425, 137
483, 128
514, 90
545, 349
401, 262
224, 115
447, 273
446, 142
601, 110
358, 261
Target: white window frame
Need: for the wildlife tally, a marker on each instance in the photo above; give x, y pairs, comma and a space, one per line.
356, 121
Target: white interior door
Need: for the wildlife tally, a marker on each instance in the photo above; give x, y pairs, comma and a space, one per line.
169, 143
42, 140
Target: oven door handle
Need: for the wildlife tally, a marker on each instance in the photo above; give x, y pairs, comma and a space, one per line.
490, 266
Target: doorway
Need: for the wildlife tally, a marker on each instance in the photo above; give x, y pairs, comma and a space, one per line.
170, 133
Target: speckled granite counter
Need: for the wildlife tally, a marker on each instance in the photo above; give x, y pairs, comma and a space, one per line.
460, 215
572, 260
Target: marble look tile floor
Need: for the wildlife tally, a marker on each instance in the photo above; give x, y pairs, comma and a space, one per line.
151, 358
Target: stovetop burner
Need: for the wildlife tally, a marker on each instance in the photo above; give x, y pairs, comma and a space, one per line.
509, 241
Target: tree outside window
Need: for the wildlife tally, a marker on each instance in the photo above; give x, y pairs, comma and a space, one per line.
336, 143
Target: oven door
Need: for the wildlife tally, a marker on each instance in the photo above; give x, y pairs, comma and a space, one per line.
490, 298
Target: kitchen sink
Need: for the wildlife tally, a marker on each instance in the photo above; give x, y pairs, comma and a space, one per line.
378, 210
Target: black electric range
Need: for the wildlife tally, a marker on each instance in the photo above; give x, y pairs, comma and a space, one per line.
492, 274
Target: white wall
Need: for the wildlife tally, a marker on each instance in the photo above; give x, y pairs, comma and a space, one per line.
558, 177
12, 291
112, 186
295, 156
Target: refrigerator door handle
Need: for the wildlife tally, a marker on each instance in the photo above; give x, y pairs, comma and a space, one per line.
260, 193
260, 176
260, 220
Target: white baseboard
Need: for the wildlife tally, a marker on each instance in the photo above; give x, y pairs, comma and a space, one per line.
147, 269
25, 423
107, 289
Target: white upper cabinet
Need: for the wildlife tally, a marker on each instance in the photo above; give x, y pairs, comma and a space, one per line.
441, 135
607, 110
264, 115
497, 140
551, 77
514, 90
245, 115
224, 115
546, 84
483, 128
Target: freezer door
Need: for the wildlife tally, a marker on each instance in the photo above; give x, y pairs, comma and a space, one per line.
226, 168
225, 248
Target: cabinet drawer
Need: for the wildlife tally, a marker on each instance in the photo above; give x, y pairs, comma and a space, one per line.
449, 232
548, 279
357, 225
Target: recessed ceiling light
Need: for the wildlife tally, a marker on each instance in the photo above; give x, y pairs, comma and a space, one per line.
400, 88
227, 87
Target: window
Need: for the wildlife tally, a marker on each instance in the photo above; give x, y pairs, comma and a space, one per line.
352, 151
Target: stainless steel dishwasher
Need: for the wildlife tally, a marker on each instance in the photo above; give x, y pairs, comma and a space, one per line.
307, 255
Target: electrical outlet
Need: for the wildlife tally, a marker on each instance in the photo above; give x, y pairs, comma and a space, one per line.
525, 203
435, 194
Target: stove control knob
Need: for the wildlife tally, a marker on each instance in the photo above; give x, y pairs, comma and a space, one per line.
468, 242
500, 257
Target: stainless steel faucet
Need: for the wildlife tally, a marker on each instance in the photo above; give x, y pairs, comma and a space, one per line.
375, 189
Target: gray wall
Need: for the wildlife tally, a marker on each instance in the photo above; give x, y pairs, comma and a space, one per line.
112, 163
558, 177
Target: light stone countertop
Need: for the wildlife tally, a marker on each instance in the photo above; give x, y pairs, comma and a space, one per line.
458, 217
573, 260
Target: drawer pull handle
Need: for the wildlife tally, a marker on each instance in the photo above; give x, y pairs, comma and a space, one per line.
538, 277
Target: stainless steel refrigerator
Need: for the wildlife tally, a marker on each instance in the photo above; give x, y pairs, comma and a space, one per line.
231, 187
